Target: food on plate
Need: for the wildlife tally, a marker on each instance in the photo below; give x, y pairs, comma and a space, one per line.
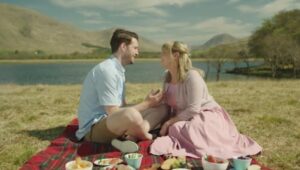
167, 163
210, 162
153, 167
118, 167
107, 161
175, 163
79, 164
213, 159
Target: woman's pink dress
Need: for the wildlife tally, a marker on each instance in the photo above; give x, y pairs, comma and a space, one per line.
205, 129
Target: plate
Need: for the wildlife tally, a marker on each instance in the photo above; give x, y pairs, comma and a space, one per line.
114, 167
107, 161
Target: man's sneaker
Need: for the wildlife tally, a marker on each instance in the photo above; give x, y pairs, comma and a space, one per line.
126, 146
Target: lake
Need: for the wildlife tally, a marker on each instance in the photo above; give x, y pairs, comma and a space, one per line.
74, 72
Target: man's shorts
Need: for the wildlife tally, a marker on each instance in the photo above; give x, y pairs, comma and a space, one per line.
100, 133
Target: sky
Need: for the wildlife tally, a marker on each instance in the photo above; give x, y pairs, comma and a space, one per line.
191, 21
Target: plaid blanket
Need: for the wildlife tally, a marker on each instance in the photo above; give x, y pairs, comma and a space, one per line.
66, 147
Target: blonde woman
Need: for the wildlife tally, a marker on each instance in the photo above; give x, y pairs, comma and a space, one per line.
197, 125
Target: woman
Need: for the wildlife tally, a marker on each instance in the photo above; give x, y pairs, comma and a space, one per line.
198, 125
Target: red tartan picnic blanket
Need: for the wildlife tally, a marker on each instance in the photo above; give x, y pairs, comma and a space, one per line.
65, 148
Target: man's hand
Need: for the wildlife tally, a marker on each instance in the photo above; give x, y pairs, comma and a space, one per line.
154, 98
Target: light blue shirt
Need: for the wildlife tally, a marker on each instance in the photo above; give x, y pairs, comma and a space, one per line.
104, 85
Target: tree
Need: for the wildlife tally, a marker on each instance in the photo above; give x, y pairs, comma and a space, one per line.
219, 54
277, 41
244, 56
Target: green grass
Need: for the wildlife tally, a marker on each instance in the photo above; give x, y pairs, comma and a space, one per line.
267, 111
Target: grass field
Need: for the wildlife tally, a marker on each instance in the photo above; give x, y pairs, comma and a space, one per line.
266, 110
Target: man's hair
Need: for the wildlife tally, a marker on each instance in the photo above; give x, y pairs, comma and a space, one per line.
119, 36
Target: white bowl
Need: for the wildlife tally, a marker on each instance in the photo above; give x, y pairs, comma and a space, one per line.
71, 165
214, 166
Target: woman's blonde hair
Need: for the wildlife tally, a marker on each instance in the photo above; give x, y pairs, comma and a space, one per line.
184, 61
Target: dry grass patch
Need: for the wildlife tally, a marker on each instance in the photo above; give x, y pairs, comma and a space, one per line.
268, 111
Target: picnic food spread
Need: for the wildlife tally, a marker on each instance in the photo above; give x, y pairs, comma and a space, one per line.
171, 163
79, 164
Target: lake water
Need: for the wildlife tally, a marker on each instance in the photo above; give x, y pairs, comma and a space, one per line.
75, 72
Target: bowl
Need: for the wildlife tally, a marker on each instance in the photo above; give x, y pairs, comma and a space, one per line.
241, 163
214, 166
85, 165
134, 159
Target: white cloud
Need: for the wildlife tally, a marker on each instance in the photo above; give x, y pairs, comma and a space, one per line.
146, 11
89, 13
247, 9
94, 21
129, 7
131, 13
224, 25
161, 30
233, 1
271, 8
155, 11
120, 5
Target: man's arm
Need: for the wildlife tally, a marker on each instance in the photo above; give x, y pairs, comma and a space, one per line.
153, 99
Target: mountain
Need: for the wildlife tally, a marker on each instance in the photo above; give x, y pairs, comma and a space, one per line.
217, 40
27, 30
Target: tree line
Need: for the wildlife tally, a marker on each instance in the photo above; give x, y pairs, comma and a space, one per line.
276, 41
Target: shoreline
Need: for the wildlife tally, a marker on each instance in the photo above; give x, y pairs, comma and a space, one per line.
95, 60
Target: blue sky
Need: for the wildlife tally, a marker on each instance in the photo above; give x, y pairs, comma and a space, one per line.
190, 21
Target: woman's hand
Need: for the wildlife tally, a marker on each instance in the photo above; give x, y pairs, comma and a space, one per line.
165, 127
154, 98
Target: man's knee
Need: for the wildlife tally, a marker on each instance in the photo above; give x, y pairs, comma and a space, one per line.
131, 116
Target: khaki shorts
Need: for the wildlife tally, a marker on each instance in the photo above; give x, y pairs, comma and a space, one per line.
100, 133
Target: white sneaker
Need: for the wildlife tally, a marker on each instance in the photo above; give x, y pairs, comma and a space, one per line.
126, 146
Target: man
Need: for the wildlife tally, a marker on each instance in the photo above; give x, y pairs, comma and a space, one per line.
101, 115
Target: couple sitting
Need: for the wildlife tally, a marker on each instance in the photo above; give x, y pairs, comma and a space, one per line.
191, 122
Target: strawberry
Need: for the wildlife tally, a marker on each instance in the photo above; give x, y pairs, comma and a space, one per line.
211, 159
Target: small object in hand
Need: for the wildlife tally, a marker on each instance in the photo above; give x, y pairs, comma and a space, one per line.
156, 92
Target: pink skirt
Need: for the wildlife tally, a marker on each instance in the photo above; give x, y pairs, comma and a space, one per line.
211, 132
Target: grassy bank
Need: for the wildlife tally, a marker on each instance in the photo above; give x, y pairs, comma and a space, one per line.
268, 111
265, 71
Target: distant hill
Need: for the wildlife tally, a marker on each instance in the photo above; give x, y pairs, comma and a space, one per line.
27, 30
217, 40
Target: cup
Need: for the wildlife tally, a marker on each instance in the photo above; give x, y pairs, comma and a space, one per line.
134, 159
241, 163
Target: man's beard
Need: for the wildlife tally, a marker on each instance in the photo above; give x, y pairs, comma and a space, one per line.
132, 60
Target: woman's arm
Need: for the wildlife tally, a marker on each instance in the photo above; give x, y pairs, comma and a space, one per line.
196, 90
164, 129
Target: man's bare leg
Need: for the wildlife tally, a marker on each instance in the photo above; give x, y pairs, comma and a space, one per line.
128, 121
155, 116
